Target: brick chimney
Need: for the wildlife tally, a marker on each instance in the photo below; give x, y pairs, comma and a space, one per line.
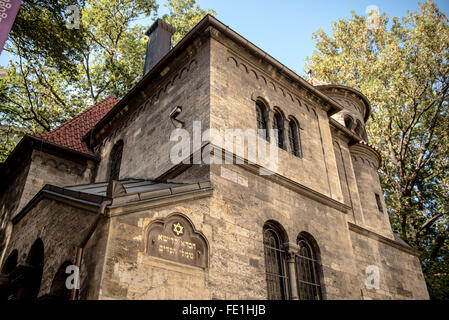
159, 42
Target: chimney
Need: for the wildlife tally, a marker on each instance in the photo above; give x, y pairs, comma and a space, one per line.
159, 42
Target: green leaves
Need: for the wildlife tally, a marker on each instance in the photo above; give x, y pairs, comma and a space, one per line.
183, 16
60, 71
403, 70
40, 30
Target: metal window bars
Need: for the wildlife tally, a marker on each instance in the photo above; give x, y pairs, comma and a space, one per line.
307, 276
275, 267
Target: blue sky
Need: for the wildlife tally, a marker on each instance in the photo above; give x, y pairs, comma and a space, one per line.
284, 28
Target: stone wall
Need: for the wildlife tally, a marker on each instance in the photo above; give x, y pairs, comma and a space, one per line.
368, 185
146, 131
118, 266
92, 266
9, 203
42, 169
50, 169
243, 209
60, 227
353, 107
400, 272
130, 273
238, 80
195, 173
348, 179
232, 221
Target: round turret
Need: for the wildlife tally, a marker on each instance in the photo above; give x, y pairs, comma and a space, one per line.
366, 160
356, 107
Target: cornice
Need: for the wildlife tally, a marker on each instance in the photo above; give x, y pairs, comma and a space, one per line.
122, 204
256, 169
202, 29
297, 187
351, 93
139, 206
363, 148
380, 238
280, 179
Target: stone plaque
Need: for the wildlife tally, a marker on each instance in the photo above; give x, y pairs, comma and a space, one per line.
176, 239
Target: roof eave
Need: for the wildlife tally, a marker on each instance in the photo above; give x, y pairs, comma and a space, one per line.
171, 54
27, 141
207, 21
92, 202
348, 133
358, 93
66, 150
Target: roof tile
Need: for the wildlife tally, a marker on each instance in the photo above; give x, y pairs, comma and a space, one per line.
70, 134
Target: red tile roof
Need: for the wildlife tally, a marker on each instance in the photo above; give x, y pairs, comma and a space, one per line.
70, 134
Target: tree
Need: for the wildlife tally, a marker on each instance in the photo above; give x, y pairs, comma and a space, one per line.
59, 71
402, 67
183, 16
40, 28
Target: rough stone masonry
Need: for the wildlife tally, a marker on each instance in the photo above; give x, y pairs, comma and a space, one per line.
102, 194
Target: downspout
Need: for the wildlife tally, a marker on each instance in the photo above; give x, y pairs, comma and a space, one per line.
80, 249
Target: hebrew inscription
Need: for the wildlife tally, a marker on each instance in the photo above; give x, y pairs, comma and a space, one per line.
175, 239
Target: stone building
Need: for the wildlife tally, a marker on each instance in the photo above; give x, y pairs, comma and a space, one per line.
102, 192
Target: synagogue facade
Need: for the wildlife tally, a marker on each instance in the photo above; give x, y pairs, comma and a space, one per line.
102, 193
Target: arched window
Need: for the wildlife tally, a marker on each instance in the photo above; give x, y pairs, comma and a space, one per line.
278, 124
275, 266
359, 128
6, 290
308, 270
261, 120
364, 135
349, 122
58, 286
10, 263
31, 273
294, 136
115, 161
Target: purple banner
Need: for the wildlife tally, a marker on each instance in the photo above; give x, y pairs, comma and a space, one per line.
8, 12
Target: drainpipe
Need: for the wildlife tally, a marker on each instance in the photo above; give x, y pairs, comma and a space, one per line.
80, 249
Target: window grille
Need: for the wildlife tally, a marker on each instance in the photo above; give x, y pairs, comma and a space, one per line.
295, 139
261, 120
274, 265
279, 134
307, 268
